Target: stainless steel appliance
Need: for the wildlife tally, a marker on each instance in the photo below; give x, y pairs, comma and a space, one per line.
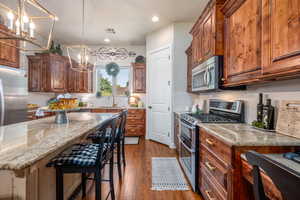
206, 76
13, 96
219, 112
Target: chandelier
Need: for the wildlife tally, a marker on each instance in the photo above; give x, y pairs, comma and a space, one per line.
21, 25
112, 53
82, 50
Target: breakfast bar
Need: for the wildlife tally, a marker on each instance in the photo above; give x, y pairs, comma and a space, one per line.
27, 147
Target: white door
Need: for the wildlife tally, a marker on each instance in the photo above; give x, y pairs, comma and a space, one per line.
159, 95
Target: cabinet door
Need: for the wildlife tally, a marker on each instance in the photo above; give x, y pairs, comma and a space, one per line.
72, 80
281, 36
9, 54
139, 78
243, 41
197, 46
208, 39
58, 75
34, 75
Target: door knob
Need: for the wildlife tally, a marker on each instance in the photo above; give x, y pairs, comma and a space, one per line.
150, 107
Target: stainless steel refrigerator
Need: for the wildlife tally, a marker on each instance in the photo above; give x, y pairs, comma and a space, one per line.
13, 96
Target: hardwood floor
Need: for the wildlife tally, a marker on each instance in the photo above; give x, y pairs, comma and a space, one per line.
136, 184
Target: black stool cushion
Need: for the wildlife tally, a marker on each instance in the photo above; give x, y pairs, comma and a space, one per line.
78, 155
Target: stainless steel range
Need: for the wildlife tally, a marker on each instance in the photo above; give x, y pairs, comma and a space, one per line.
219, 112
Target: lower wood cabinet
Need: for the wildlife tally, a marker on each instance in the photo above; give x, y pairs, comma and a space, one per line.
223, 174
136, 120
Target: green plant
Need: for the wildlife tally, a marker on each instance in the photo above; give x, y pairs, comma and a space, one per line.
258, 124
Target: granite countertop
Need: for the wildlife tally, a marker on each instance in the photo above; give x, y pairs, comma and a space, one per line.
22, 144
245, 135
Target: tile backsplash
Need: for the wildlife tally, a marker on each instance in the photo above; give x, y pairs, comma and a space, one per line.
276, 90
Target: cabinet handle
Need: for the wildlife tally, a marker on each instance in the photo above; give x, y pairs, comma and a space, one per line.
208, 195
209, 166
210, 142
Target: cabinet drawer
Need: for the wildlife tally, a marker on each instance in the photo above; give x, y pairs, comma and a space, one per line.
216, 147
136, 111
134, 130
208, 190
215, 168
135, 121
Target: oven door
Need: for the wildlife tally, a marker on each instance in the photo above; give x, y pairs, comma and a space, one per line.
187, 152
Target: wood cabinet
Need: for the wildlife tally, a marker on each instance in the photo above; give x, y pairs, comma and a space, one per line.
223, 172
242, 41
52, 73
208, 33
47, 73
139, 77
280, 38
136, 119
136, 122
9, 55
80, 82
189, 69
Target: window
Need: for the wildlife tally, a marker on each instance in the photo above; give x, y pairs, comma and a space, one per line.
119, 86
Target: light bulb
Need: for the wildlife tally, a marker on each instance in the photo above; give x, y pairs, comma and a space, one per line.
79, 57
31, 29
107, 40
25, 19
86, 58
18, 27
155, 19
11, 18
10, 15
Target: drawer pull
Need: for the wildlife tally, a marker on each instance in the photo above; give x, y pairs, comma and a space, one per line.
209, 166
208, 195
210, 142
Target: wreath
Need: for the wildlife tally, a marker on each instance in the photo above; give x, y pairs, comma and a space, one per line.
112, 69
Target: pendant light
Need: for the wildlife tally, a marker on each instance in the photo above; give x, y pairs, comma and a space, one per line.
81, 52
21, 25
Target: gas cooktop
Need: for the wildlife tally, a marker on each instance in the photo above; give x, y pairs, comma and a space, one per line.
219, 112
211, 118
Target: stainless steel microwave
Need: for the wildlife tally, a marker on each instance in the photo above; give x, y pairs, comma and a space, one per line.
207, 76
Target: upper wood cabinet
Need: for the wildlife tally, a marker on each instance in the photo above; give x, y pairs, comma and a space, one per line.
208, 33
9, 55
189, 69
139, 77
52, 73
281, 37
47, 73
243, 41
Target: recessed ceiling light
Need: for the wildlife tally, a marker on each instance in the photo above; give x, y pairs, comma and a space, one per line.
155, 19
107, 40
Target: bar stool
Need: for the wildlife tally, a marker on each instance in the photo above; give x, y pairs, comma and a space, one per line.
88, 159
285, 179
120, 140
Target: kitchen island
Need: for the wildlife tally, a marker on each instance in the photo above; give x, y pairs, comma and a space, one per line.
26, 148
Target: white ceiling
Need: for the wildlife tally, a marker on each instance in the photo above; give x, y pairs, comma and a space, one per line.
130, 18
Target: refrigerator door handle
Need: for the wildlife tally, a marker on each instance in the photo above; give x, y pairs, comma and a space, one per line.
2, 108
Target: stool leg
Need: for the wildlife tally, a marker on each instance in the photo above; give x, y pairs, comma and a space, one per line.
123, 151
59, 185
83, 184
119, 158
111, 177
98, 185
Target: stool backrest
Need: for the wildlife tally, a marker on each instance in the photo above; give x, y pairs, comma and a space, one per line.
122, 127
285, 179
104, 141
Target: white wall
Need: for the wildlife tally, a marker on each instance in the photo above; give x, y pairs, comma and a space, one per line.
276, 90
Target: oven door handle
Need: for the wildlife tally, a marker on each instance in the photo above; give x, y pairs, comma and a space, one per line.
187, 126
189, 149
